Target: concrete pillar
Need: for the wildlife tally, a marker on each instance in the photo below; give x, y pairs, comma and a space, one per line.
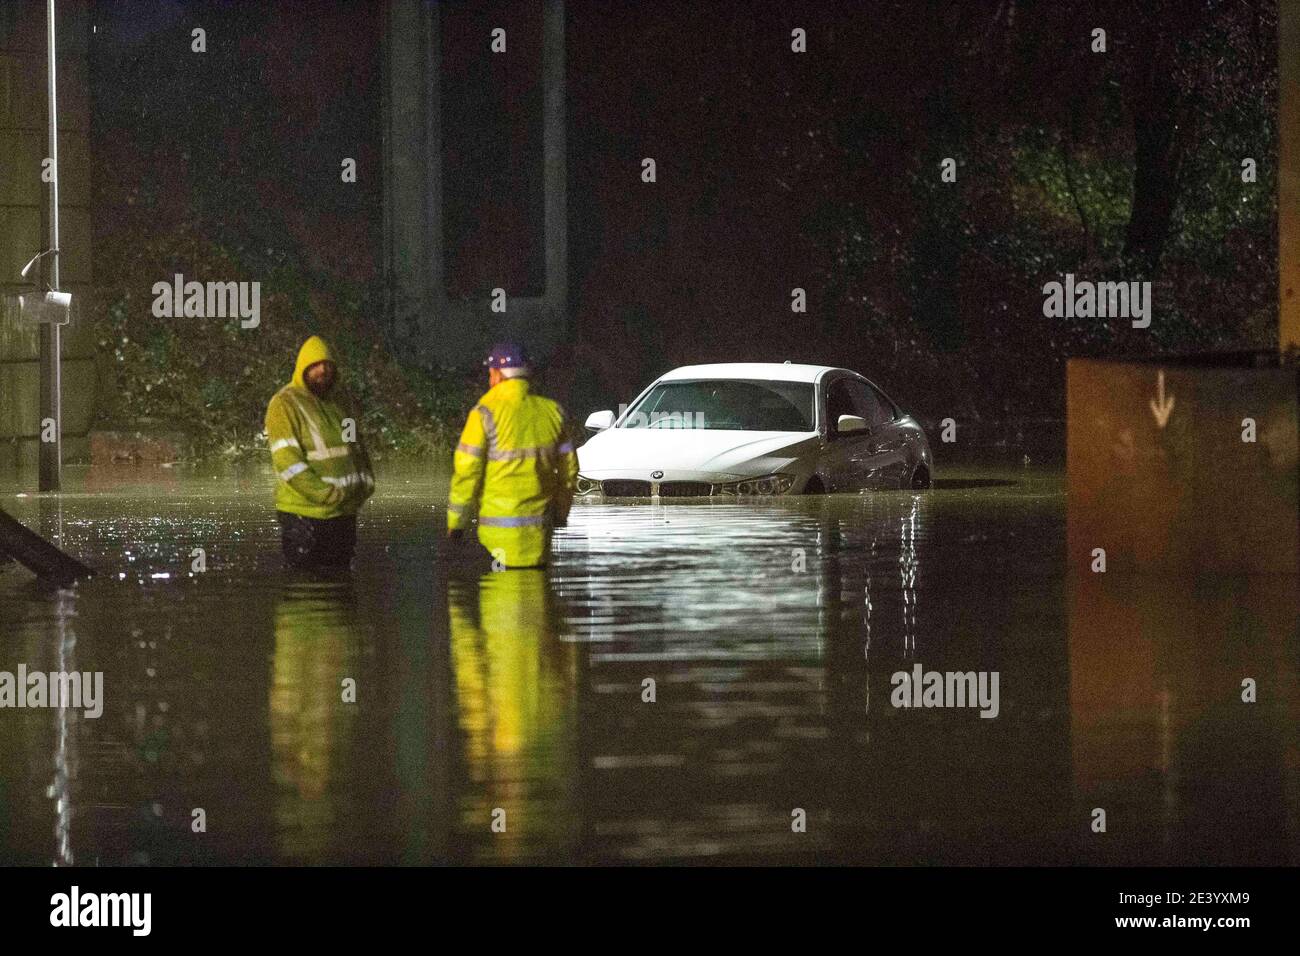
554, 150
422, 319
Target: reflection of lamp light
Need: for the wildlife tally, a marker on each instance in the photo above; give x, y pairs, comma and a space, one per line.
61, 789
907, 571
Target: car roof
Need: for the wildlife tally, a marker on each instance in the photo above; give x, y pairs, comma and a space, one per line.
770, 371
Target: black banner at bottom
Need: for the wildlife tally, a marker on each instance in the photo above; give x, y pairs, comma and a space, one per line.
336, 905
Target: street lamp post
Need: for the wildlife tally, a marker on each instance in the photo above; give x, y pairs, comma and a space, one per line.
51, 452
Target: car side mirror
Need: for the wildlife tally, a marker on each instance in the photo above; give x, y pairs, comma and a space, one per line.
599, 421
851, 423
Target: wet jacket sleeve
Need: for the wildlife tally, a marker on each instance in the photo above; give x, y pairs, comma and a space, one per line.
359, 493
568, 470
367, 472
290, 461
469, 462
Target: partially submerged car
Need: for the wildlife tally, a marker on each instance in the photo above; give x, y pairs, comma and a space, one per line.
753, 429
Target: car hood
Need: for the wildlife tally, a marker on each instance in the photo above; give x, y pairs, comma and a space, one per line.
741, 454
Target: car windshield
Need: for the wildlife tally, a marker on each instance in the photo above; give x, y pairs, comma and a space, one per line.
731, 404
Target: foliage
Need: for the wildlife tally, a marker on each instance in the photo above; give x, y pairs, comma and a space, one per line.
223, 166
212, 379
932, 288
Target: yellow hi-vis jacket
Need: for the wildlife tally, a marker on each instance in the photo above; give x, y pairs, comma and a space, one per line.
319, 475
516, 460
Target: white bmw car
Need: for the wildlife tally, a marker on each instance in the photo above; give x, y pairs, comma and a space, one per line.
753, 429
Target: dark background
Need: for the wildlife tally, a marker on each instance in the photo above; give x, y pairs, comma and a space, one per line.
775, 170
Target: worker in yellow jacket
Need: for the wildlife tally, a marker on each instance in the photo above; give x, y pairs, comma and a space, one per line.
323, 474
515, 461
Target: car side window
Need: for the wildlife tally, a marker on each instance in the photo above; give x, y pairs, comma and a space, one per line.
878, 409
849, 396
863, 403
891, 410
838, 402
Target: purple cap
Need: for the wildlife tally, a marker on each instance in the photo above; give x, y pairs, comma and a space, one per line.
506, 355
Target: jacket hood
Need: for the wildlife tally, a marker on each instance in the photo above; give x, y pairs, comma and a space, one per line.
314, 350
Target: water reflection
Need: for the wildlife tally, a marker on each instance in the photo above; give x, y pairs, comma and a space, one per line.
765, 627
515, 705
770, 631
314, 702
908, 566
1187, 772
65, 749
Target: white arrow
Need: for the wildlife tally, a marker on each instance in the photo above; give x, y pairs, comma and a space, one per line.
1161, 408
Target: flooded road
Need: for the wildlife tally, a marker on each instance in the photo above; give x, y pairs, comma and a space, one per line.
689, 681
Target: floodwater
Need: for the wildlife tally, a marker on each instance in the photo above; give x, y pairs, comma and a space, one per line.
419, 712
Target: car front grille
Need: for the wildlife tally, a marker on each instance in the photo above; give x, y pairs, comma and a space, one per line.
624, 488
685, 489
616, 488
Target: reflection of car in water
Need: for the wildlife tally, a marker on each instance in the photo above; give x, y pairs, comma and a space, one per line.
754, 429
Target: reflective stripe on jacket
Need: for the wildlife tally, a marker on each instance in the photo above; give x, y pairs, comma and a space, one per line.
318, 474
517, 462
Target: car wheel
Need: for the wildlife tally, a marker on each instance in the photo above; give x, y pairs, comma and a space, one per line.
814, 486
920, 478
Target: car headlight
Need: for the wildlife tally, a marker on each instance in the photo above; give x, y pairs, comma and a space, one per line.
587, 486
766, 485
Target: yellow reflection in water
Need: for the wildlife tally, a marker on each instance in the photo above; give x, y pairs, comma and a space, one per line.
514, 686
316, 637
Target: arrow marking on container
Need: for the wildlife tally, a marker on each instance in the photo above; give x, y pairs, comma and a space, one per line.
1160, 407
